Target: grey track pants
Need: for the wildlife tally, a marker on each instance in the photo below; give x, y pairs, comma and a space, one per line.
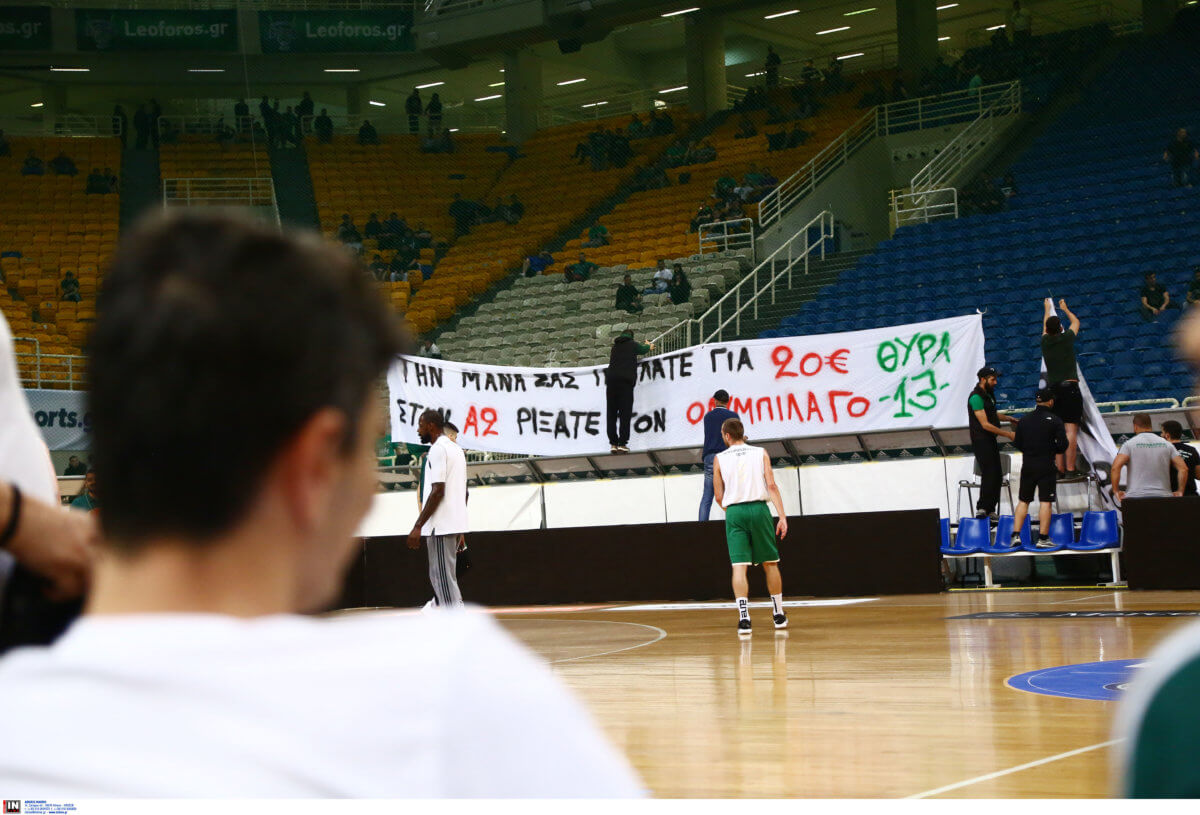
443, 562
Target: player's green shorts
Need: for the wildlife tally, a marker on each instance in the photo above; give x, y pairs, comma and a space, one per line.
750, 532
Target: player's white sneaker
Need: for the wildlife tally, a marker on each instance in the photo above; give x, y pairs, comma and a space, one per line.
744, 629
430, 607
781, 621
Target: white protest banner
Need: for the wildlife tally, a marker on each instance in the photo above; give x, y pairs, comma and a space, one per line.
63, 418
908, 376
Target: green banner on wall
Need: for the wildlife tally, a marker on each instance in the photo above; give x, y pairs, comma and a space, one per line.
25, 28
287, 32
169, 30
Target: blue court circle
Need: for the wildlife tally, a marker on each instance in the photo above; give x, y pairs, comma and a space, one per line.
1094, 681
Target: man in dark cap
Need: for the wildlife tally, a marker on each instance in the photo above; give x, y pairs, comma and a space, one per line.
985, 434
714, 443
619, 378
1040, 437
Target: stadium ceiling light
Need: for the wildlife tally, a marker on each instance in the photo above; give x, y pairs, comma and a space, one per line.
672, 90
572, 81
852, 56
37, 104
860, 11
948, 5
943, 39
206, 70
681, 11
72, 70
454, 130
377, 104
489, 98
833, 30
496, 85
593, 104
994, 27
782, 14
429, 85
341, 70
757, 73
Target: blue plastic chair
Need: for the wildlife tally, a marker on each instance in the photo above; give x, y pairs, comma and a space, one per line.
1062, 533
944, 523
973, 536
1004, 530
1101, 530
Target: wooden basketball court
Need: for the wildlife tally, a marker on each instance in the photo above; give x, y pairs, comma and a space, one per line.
870, 697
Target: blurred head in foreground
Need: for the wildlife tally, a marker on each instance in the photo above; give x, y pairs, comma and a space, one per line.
255, 351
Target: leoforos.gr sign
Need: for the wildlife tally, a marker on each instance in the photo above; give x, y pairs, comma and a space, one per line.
894, 378
167, 30
379, 30
25, 28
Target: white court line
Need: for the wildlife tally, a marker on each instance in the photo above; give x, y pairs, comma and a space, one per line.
1081, 599
661, 635
727, 604
1017, 769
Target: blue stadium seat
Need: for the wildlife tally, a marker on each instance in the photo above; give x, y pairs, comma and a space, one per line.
973, 535
1062, 533
1101, 530
944, 523
1004, 530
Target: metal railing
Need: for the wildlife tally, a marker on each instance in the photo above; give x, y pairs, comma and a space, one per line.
587, 105
221, 192
66, 124
206, 125
922, 207
455, 118
882, 120
722, 236
1190, 401
747, 293
1165, 403
38, 370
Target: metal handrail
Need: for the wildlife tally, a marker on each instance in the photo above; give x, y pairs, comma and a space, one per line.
747, 292
894, 117
723, 240
585, 106
221, 192
205, 124
1191, 400
38, 370
920, 207
67, 124
455, 118
968, 143
1117, 407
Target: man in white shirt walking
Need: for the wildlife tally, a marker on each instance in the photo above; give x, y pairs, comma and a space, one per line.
743, 482
1149, 459
193, 673
443, 519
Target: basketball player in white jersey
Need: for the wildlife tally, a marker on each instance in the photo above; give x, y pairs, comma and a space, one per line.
743, 483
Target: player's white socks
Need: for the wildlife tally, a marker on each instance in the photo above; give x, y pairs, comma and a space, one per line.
743, 605
777, 602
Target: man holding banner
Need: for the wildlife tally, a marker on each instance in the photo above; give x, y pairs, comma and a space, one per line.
985, 433
619, 378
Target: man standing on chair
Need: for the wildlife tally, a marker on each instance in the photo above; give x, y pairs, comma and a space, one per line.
619, 379
443, 519
714, 443
985, 435
1040, 437
743, 482
1062, 377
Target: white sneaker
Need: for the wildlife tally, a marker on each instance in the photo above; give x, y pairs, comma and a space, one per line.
430, 607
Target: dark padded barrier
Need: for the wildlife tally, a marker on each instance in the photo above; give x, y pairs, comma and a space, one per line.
1162, 543
823, 555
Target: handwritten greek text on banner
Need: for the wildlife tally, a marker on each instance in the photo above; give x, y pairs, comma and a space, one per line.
917, 375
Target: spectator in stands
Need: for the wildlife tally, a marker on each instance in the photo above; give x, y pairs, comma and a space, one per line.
269, 120
1020, 25
619, 379
304, 111
96, 185
111, 182
652, 177
582, 152
1180, 153
835, 82
714, 444
1172, 431
661, 280
985, 435
1008, 186
580, 270
777, 141
1192, 298
241, 116
155, 112
70, 288
704, 153
597, 236
5, 147
463, 212
168, 133
798, 136
679, 288
33, 165
536, 264
775, 114
1154, 299
810, 74
746, 128
636, 129
323, 127
771, 67
141, 124
430, 350
291, 129
422, 236
393, 228
367, 134
413, 107
120, 126
661, 124
619, 149
398, 269
704, 215
597, 148
676, 154
224, 135
628, 297
1150, 459
1062, 376
348, 234
378, 267
75, 467
434, 112
87, 500
372, 228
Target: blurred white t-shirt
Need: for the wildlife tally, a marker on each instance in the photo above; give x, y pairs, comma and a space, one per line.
374, 706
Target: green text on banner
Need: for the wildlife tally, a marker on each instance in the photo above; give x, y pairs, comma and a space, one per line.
895, 378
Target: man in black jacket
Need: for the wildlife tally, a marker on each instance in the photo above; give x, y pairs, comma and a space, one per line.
619, 377
1040, 437
413, 107
985, 434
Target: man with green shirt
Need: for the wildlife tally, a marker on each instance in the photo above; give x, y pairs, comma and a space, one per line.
985, 427
87, 500
1062, 377
619, 378
579, 271
597, 236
